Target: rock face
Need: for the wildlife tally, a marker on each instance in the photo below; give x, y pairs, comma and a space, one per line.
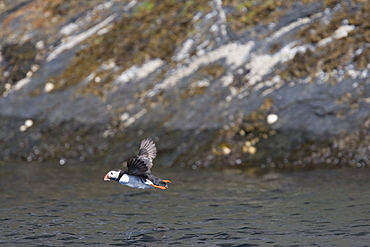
265, 84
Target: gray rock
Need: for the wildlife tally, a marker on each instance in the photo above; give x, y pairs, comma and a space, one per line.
279, 90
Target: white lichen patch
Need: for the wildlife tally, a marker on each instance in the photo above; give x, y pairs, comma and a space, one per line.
184, 51
139, 72
272, 118
261, 65
249, 147
225, 150
341, 32
302, 21
27, 124
234, 55
49, 87
128, 120
201, 84
72, 41
21, 83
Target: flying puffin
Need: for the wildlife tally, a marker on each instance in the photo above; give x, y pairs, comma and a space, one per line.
138, 173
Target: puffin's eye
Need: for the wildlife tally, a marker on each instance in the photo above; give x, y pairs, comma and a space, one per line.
111, 173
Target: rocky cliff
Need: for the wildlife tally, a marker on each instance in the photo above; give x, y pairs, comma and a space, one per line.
264, 84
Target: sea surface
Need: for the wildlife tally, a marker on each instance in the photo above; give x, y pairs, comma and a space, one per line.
48, 204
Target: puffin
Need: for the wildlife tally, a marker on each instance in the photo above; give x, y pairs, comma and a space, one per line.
138, 174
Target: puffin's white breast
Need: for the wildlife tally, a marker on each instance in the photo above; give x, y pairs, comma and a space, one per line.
135, 182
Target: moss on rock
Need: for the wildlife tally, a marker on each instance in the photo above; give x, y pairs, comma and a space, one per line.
18, 60
237, 142
339, 52
154, 30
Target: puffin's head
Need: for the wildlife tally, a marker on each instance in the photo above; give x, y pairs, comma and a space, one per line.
113, 174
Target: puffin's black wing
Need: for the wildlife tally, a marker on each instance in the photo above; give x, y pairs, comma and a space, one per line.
137, 167
147, 152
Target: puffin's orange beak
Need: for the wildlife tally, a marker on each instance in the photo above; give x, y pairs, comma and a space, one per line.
106, 177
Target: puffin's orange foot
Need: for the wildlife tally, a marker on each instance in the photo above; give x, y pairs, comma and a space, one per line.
159, 187
167, 181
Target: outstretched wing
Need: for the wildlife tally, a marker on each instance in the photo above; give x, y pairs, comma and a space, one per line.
147, 152
137, 167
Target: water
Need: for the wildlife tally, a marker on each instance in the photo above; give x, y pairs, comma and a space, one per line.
71, 205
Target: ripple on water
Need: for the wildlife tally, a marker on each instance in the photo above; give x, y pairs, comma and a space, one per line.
291, 209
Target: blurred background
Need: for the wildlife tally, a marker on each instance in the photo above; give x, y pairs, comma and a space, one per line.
259, 84
261, 92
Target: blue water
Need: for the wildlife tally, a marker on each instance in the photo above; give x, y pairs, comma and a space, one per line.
71, 205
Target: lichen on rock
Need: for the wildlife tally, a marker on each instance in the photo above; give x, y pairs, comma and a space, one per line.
262, 84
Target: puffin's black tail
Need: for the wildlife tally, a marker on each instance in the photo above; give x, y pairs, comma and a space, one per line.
159, 182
